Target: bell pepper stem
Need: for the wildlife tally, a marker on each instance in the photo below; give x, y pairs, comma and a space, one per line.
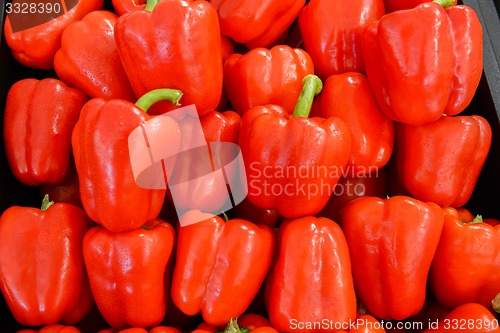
311, 87
477, 220
46, 203
151, 4
157, 95
496, 303
445, 3
232, 327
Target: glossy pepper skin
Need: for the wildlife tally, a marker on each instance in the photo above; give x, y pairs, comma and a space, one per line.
466, 267
470, 317
154, 57
56, 328
306, 282
36, 47
392, 243
365, 324
221, 126
157, 329
42, 272
122, 7
202, 191
272, 164
88, 58
350, 187
393, 5
332, 33
256, 325
38, 121
68, 192
431, 313
220, 266
349, 97
108, 190
441, 161
127, 272
256, 24
434, 70
266, 76
247, 211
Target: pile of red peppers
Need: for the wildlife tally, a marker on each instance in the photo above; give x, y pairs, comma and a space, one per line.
358, 155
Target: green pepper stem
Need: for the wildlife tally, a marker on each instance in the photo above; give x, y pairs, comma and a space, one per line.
444, 3
477, 220
232, 327
46, 203
496, 303
157, 95
151, 4
311, 87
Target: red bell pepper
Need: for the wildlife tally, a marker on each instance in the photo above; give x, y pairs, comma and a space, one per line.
249, 322
395, 329
226, 47
294, 37
465, 215
236, 326
36, 46
365, 324
424, 62
310, 280
252, 321
287, 172
68, 192
393, 5
351, 187
205, 327
441, 161
202, 191
221, 126
175, 44
392, 243
431, 313
263, 76
56, 328
332, 33
256, 25
38, 121
42, 272
466, 267
157, 329
108, 190
88, 58
349, 97
491, 221
247, 211
219, 266
470, 317
128, 273
122, 7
